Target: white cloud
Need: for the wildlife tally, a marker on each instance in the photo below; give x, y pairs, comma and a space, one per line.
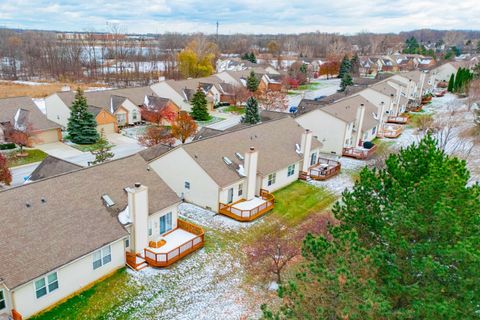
247, 16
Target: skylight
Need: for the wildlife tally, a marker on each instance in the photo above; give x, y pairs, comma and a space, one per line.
239, 156
227, 161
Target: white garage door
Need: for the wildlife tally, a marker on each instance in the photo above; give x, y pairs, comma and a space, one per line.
107, 128
47, 136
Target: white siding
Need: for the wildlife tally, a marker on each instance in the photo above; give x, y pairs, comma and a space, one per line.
71, 278
224, 192
131, 107
281, 179
177, 167
56, 110
154, 220
163, 89
330, 131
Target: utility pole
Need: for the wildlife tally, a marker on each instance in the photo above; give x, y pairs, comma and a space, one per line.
217, 32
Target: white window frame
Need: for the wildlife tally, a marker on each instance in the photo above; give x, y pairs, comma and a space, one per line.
3, 300
272, 177
313, 158
240, 189
187, 185
47, 284
101, 257
291, 170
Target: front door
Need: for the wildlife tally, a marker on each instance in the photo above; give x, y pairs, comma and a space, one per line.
230, 195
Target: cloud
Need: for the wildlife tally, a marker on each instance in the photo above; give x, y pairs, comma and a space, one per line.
235, 16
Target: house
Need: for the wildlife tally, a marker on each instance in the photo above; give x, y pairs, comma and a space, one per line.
159, 104
68, 231
181, 92
270, 79
343, 126
235, 172
123, 104
444, 71
106, 122
21, 112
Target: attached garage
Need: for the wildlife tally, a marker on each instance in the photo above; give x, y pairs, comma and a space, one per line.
107, 128
47, 136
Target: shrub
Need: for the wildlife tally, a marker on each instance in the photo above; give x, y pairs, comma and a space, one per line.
7, 146
368, 145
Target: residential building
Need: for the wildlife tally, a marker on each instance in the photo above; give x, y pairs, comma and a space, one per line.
234, 173
68, 231
22, 113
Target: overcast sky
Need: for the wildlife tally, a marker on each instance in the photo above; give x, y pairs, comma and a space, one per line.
245, 16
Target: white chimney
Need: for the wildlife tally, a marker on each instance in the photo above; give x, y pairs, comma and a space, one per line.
306, 145
251, 160
138, 211
360, 117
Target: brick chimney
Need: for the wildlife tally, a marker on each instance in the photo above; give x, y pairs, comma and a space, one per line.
251, 160
306, 147
138, 211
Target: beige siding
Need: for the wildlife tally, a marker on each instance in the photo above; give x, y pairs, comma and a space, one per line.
176, 168
71, 278
107, 128
47, 136
56, 110
132, 108
236, 186
154, 220
330, 131
281, 178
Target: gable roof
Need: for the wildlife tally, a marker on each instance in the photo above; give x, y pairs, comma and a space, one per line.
73, 221
29, 112
276, 150
154, 152
52, 166
346, 110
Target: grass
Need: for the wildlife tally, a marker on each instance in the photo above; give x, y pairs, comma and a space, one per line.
86, 147
235, 109
309, 86
11, 89
95, 302
34, 155
294, 203
212, 120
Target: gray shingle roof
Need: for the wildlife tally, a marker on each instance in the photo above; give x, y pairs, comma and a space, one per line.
10, 106
52, 166
73, 221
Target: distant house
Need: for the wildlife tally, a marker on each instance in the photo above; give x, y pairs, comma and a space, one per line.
159, 104
343, 126
444, 71
235, 172
268, 80
123, 104
20, 112
70, 230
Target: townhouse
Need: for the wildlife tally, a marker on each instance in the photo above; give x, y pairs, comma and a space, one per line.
68, 231
112, 108
343, 127
269, 78
21, 113
234, 173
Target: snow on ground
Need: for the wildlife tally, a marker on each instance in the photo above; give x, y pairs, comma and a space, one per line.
210, 219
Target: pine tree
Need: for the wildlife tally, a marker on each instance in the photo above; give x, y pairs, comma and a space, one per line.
199, 106
253, 59
103, 153
81, 127
252, 82
345, 67
451, 83
252, 115
346, 81
355, 65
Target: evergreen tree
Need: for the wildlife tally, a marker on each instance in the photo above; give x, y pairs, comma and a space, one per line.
451, 83
199, 106
355, 65
346, 81
103, 153
345, 67
81, 127
411, 46
252, 115
253, 59
252, 82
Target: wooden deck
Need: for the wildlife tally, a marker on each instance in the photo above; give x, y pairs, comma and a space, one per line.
135, 262
390, 131
242, 215
359, 153
324, 169
165, 259
397, 119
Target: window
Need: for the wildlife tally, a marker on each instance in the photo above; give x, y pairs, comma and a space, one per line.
313, 159
121, 118
166, 223
271, 179
135, 115
3, 304
150, 231
127, 243
291, 170
240, 189
102, 257
187, 185
44, 285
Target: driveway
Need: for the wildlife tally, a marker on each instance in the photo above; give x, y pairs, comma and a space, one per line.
326, 88
59, 150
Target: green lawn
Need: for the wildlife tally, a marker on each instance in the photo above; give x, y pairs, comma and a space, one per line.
86, 147
234, 109
211, 121
113, 295
309, 86
34, 155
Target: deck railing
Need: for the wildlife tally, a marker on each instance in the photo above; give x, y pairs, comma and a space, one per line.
397, 119
250, 214
392, 131
359, 153
165, 259
316, 172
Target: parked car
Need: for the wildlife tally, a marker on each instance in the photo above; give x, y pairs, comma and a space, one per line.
319, 98
293, 109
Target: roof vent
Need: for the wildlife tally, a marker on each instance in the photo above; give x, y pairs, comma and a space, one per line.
138, 184
43, 200
239, 156
27, 205
298, 149
107, 201
227, 161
